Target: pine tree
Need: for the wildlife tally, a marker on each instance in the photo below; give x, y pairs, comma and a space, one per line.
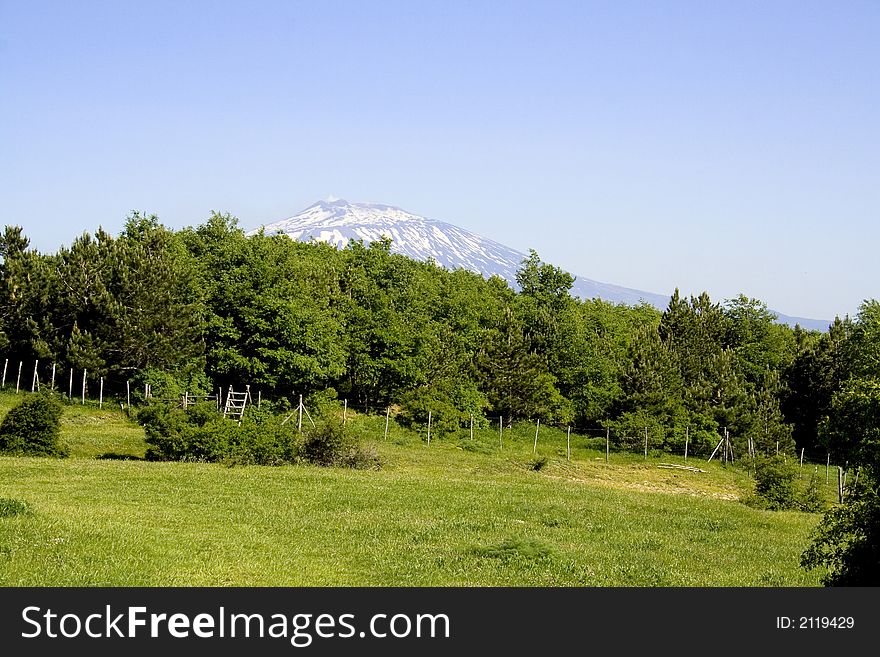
516, 381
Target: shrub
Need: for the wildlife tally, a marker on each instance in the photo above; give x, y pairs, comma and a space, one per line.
327, 444
163, 426
264, 441
201, 433
847, 542
776, 483
198, 434
32, 428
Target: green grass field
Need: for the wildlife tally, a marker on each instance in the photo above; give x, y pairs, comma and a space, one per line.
459, 512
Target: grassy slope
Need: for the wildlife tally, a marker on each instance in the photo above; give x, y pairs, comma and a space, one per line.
457, 513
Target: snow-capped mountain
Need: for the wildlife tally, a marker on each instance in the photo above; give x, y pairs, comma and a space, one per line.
420, 238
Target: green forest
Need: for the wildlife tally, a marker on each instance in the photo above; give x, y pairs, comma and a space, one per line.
207, 307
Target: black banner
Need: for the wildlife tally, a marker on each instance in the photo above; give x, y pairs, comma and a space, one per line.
433, 621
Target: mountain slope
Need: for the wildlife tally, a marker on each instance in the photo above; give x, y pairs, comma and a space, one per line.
420, 238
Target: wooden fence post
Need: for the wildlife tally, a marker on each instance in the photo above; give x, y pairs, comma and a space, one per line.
52, 384
18, 380
5, 365
537, 428
387, 415
70, 386
34, 379
717, 447
299, 421
128, 394
101, 395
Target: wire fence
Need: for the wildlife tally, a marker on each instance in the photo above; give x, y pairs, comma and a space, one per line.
116, 391
80, 386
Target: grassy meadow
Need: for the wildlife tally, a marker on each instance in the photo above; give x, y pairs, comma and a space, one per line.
457, 513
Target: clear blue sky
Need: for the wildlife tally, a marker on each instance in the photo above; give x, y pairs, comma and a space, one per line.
732, 147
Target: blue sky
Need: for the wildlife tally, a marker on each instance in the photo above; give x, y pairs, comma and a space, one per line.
732, 147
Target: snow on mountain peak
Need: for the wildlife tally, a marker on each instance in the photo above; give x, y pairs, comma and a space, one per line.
339, 221
339, 212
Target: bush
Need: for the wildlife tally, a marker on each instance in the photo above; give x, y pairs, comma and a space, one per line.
328, 445
847, 542
776, 483
264, 441
778, 487
201, 433
33, 428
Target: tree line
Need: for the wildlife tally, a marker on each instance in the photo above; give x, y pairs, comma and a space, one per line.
208, 307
